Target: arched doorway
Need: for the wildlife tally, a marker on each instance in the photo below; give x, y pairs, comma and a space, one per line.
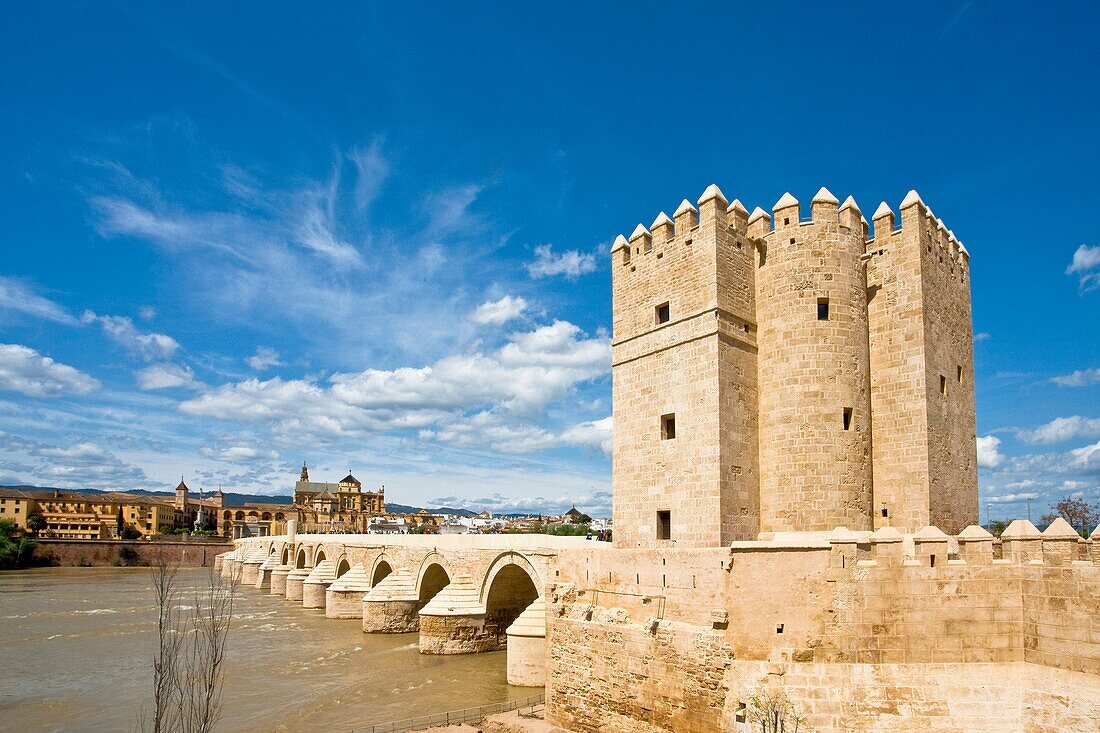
342, 567
433, 580
511, 590
381, 570
301, 561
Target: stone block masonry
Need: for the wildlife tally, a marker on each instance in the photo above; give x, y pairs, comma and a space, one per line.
773, 374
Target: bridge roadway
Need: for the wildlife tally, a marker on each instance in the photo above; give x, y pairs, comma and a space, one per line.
461, 593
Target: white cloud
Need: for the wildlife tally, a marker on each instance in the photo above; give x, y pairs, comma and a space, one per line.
592, 434
981, 336
1010, 498
572, 263
237, 453
264, 358
1079, 378
989, 454
316, 225
372, 170
147, 312
163, 376
499, 311
24, 370
18, 297
1086, 459
1062, 429
498, 432
83, 465
121, 330
1086, 265
510, 385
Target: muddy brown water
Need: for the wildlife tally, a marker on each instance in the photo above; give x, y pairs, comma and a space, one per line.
76, 650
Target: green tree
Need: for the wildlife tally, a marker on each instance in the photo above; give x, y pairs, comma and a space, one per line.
1080, 514
36, 522
16, 550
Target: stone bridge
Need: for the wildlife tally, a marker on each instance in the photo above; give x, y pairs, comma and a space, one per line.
461, 593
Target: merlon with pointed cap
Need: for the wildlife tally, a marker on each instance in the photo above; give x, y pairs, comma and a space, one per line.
758, 213
712, 192
738, 206
911, 198
824, 196
882, 210
619, 243
661, 220
785, 201
850, 203
684, 207
639, 231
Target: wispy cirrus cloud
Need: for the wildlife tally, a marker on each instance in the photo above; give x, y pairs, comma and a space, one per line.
165, 376
18, 297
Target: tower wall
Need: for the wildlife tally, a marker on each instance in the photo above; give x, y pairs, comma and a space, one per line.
815, 463
922, 373
697, 367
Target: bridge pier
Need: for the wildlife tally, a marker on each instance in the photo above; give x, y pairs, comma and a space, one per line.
527, 647
454, 621
278, 580
294, 581
250, 568
344, 598
391, 606
315, 585
263, 573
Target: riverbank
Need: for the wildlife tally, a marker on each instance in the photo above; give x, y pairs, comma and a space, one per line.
187, 553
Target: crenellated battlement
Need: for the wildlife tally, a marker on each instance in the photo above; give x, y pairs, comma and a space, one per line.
1020, 544
731, 322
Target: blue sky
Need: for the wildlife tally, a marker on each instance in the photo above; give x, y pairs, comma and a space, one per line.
240, 236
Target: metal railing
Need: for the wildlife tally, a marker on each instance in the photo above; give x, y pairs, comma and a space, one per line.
524, 705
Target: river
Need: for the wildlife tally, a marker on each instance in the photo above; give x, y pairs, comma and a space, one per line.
76, 649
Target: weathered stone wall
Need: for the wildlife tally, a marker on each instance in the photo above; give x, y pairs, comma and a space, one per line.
69, 553
815, 472
863, 627
699, 366
921, 333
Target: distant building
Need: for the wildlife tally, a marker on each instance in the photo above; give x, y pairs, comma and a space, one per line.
75, 515
339, 507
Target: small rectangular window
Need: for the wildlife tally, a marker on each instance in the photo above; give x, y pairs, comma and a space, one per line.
786, 221
664, 525
822, 309
662, 313
668, 427
847, 418
959, 373
943, 385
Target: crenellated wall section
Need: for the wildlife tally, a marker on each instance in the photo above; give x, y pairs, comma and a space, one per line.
858, 628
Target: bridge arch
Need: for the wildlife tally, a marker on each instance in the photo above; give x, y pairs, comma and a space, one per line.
434, 576
301, 558
510, 585
383, 566
285, 559
342, 566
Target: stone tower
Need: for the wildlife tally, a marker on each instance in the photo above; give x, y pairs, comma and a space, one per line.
684, 379
794, 376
